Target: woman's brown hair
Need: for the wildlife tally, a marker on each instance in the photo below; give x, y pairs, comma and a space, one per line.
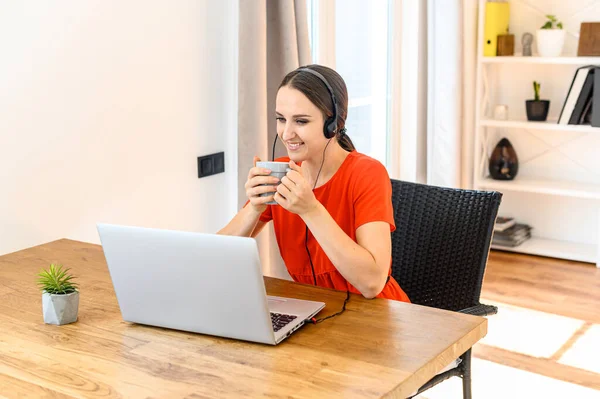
316, 91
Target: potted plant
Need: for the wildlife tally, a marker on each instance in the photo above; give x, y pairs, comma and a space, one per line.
537, 110
550, 38
60, 297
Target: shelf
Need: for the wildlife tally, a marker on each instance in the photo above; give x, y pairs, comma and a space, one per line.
555, 249
518, 59
540, 186
549, 125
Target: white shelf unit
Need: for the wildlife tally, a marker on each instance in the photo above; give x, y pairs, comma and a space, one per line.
548, 125
558, 189
540, 186
555, 249
518, 59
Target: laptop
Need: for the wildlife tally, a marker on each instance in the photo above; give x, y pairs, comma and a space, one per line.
203, 283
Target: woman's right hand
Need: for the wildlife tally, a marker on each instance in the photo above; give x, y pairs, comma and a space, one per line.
254, 187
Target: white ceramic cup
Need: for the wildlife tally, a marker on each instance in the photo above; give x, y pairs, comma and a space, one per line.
278, 170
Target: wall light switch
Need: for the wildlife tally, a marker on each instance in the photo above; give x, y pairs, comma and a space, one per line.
211, 164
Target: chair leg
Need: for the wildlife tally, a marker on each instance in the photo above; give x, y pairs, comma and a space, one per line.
466, 380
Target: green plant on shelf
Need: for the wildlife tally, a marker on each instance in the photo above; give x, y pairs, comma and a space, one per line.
536, 90
552, 23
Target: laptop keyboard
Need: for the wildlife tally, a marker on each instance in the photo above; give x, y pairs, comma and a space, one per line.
280, 320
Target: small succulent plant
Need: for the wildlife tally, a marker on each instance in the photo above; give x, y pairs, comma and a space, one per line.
536, 90
56, 280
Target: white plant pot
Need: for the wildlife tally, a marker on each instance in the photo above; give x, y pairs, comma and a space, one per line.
550, 42
60, 309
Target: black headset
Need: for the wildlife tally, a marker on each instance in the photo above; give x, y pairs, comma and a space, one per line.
330, 126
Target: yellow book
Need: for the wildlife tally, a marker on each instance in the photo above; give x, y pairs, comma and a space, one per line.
495, 23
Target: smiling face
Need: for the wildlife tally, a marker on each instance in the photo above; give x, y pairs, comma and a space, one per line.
299, 125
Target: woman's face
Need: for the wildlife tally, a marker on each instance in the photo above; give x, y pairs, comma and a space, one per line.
299, 125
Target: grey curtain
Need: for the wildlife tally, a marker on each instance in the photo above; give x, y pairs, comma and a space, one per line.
273, 40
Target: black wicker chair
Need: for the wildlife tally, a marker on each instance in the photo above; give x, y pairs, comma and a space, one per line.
439, 253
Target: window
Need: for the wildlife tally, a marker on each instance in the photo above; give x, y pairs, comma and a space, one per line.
361, 45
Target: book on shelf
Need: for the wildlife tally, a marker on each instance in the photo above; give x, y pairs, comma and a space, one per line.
579, 97
511, 243
586, 96
512, 236
516, 231
503, 223
595, 118
586, 116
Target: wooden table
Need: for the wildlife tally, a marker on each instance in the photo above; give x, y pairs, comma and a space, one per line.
376, 348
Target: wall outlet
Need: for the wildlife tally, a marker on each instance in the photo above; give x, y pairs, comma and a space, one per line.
211, 164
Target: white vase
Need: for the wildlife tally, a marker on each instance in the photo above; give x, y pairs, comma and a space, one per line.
60, 309
550, 42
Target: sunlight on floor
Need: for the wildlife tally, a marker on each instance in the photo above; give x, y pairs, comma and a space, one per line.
495, 381
529, 332
585, 352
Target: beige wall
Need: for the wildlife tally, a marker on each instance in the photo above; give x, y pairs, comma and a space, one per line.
104, 107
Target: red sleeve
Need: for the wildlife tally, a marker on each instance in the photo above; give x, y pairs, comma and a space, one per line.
373, 195
266, 216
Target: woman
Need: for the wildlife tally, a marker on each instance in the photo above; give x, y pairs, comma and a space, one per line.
334, 212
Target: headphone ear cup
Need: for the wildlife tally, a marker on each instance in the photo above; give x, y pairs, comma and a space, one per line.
329, 128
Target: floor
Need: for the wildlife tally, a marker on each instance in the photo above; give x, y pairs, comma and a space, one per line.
545, 340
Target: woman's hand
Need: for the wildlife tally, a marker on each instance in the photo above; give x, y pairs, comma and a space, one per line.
294, 193
254, 187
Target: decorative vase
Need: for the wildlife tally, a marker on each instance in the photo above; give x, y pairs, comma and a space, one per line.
60, 309
537, 110
550, 42
504, 163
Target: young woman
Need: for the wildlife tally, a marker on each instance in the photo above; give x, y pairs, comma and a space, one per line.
334, 214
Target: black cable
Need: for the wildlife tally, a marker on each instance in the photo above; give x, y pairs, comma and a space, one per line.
274, 142
312, 267
316, 321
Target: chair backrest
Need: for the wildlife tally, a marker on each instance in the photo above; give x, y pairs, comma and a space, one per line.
441, 243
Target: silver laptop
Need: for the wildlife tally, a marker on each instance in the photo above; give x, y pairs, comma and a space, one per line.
203, 283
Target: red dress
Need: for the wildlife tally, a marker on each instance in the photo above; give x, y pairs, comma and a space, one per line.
359, 192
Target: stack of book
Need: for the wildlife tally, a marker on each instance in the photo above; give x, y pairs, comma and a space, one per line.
509, 233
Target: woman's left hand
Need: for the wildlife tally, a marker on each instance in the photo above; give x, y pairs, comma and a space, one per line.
294, 193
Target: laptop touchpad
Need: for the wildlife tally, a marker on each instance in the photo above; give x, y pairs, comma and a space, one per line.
279, 304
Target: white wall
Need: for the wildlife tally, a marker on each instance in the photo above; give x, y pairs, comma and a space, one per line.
104, 107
